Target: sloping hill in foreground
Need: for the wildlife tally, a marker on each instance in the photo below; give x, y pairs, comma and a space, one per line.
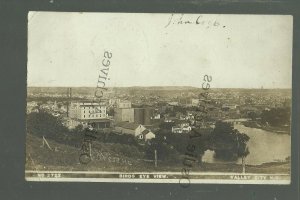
65, 157
107, 157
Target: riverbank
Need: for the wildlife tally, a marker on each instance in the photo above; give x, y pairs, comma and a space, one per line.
279, 130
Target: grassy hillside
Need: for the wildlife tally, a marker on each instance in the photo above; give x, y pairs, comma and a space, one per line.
109, 157
66, 157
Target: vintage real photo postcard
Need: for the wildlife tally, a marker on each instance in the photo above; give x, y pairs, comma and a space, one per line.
159, 98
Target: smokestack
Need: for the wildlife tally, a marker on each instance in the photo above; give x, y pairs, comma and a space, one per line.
69, 96
70, 93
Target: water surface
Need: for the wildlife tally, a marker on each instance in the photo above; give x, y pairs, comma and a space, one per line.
264, 147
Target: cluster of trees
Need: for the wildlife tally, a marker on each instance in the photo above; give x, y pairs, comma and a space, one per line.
44, 124
276, 116
166, 126
226, 141
172, 111
253, 115
164, 151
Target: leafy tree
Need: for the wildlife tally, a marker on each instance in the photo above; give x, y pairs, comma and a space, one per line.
179, 109
177, 141
252, 115
165, 152
111, 112
78, 128
166, 125
276, 116
45, 124
228, 143
179, 144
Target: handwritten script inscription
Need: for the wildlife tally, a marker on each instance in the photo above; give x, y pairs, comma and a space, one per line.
200, 20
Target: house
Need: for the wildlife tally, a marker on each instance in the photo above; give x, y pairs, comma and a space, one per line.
186, 129
176, 129
137, 130
130, 128
183, 123
170, 119
181, 127
156, 116
173, 103
147, 135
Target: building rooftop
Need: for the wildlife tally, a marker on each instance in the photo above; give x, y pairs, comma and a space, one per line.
145, 131
128, 125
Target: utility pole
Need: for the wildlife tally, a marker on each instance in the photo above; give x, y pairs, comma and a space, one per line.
90, 147
155, 157
244, 160
243, 164
243, 157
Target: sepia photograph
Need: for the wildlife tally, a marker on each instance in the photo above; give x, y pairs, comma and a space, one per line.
159, 98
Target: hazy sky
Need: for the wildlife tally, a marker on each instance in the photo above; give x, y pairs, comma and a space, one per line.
238, 51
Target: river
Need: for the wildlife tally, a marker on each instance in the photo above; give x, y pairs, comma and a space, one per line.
264, 147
